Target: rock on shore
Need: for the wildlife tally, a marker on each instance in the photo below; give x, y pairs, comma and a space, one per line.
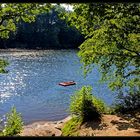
111, 125
44, 128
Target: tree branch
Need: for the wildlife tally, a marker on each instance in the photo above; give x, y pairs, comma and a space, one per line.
117, 54
5, 17
132, 72
5, 30
13, 15
122, 47
131, 51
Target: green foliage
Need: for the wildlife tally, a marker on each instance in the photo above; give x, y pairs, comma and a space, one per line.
112, 41
99, 104
14, 123
3, 64
10, 14
47, 32
71, 126
82, 105
85, 107
128, 103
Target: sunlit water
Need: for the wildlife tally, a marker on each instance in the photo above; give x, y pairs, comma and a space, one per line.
32, 84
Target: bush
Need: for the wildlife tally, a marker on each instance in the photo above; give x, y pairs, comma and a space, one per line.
14, 123
129, 102
99, 104
71, 126
3, 64
84, 106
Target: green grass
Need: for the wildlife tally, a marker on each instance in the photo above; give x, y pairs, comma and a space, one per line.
71, 127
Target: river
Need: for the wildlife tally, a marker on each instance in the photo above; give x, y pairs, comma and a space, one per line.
31, 85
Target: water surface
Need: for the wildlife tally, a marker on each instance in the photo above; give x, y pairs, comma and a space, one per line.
32, 83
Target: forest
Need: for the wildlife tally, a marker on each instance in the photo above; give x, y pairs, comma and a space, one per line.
48, 31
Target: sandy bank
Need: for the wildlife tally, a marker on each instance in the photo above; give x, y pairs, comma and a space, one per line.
111, 125
44, 128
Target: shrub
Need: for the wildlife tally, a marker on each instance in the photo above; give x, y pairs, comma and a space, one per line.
82, 105
129, 102
14, 123
85, 107
100, 105
71, 126
3, 64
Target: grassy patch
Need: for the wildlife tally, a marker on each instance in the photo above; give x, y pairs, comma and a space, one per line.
71, 127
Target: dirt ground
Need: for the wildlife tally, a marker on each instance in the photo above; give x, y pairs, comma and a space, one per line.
110, 125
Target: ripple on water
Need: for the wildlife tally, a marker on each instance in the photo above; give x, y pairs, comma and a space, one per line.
32, 83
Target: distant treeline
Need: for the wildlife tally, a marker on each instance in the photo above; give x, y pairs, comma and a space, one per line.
47, 32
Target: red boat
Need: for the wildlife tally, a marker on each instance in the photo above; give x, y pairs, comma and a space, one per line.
69, 83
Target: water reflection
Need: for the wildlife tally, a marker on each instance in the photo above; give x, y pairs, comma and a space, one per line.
32, 83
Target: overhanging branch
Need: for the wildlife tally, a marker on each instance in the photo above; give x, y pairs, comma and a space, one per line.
5, 30
137, 72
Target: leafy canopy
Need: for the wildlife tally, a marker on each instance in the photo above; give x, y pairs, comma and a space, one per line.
47, 32
12, 13
112, 41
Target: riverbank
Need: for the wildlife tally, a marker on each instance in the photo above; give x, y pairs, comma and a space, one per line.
44, 128
15, 50
30, 50
111, 125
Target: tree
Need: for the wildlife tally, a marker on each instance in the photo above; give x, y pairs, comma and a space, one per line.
10, 14
112, 41
48, 31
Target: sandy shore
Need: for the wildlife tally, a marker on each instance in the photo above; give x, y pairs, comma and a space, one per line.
111, 125
44, 128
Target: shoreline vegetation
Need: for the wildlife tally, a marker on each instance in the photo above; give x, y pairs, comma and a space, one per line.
111, 125
89, 116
